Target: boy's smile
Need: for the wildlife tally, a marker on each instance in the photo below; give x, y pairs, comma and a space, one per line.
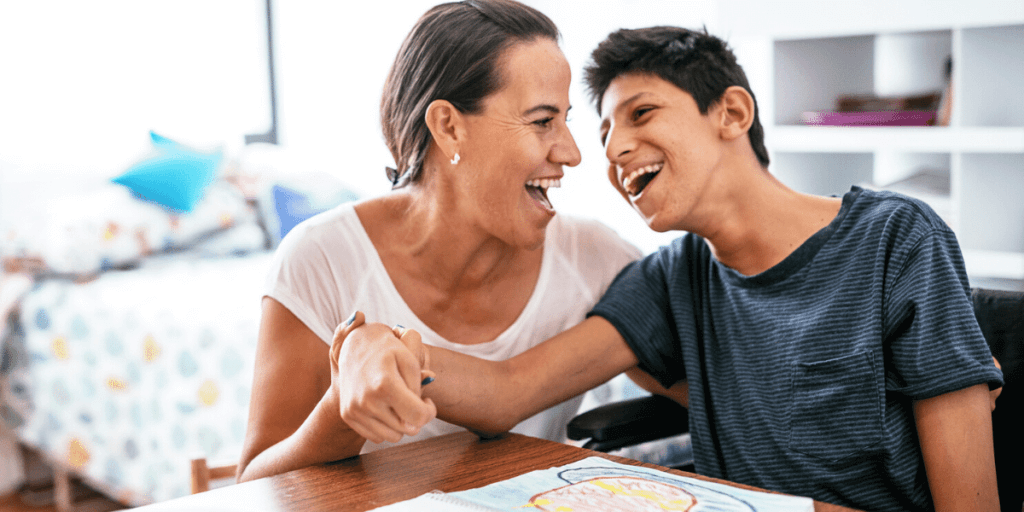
636, 180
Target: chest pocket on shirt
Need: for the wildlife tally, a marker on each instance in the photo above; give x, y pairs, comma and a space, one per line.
836, 410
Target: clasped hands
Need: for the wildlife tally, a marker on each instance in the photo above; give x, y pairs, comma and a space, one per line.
377, 373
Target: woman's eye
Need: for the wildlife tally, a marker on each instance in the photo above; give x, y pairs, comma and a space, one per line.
543, 123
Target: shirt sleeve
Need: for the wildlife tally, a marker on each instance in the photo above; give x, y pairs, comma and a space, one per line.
932, 335
303, 281
637, 304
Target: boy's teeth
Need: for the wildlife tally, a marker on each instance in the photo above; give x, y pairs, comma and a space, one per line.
628, 181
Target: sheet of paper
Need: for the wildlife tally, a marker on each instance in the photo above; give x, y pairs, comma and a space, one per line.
600, 485
436, 501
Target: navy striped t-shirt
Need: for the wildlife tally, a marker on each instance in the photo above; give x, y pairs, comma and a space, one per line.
802, 377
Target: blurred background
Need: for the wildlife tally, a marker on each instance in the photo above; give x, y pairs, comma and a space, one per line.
153, 152
86, 81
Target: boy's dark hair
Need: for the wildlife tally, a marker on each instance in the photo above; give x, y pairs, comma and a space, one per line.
696, 62
453, 53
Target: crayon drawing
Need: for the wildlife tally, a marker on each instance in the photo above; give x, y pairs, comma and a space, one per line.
597, 484
620, 489
615, 494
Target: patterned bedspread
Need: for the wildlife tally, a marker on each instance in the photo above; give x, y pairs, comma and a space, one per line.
135, 373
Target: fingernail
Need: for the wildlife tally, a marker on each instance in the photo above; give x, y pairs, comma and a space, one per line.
351, 319
426, 381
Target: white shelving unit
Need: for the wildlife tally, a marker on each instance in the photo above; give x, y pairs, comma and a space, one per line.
971, 172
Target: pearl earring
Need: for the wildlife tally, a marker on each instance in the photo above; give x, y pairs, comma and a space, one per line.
455, 159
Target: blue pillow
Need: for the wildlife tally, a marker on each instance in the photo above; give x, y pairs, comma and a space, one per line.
175, 177
292, 206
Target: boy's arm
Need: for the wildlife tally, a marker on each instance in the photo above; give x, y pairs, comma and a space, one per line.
955, 430
562, 367
994, 394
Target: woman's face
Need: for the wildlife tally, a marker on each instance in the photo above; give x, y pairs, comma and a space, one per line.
517, 145
662, 150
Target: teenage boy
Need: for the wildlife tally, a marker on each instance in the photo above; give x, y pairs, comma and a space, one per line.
825, 346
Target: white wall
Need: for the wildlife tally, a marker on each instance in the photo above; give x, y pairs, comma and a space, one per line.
84, 82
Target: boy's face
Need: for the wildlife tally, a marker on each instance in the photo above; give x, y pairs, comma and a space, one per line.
662, 151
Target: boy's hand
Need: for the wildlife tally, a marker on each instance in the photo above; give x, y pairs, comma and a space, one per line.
377, 377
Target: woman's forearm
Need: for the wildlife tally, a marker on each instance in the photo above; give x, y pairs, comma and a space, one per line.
322, 437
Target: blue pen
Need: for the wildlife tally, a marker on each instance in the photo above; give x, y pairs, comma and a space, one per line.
399, 330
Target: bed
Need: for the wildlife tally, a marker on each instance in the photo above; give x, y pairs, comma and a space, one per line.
127, 377
131, 308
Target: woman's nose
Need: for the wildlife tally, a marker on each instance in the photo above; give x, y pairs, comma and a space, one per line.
565, 151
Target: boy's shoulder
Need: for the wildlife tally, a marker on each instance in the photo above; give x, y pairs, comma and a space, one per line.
873, 204
682, 251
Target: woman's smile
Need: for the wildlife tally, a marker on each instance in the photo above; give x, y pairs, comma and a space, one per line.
538, 190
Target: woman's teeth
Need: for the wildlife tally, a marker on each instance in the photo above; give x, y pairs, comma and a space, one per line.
544, 183
634, 185
538, 189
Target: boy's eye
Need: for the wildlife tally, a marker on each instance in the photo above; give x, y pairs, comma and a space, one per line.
638, 113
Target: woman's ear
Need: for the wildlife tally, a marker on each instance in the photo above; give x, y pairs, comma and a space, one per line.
446, 125
737, 112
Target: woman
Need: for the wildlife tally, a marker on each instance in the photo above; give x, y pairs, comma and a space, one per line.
466, 250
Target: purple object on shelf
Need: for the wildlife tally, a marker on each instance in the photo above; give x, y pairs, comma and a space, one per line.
883, 118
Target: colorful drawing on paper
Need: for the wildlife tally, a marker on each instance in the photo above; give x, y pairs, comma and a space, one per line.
620, 489
615, 494
596, 484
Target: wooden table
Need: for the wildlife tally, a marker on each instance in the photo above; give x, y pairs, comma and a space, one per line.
453, 462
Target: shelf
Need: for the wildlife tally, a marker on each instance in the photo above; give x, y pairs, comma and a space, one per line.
915, 139
970, 172
811, 74
991, 212
827, 174
991, 73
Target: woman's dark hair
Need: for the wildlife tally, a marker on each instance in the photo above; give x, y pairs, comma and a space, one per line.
696, 62
453, 53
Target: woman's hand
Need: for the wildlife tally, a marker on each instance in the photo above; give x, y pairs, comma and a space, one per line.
994, 393
376, 372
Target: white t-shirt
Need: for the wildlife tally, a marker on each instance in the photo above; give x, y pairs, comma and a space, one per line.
327, 267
